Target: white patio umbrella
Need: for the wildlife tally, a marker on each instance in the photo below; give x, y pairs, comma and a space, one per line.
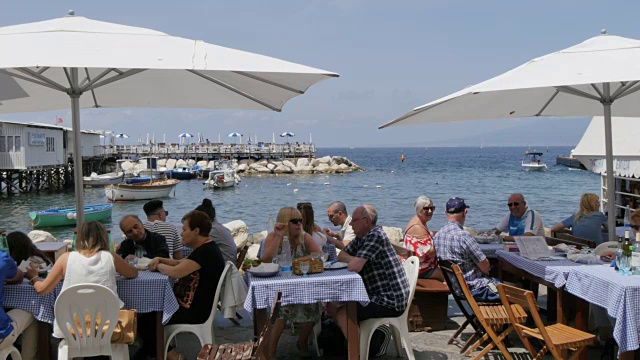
48, 65
236, 135
598, 76
287, 134
184, 136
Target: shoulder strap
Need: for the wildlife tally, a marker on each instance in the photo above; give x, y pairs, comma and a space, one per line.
405, 233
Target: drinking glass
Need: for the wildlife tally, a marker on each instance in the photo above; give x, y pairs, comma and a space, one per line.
275, 260
625, 265
133, 261
304, 267
324, 255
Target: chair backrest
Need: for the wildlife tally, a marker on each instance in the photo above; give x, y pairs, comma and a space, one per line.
411, 268
241, 255
79, 303
266, 330
525, 298
216, 297
575, 239
467, 293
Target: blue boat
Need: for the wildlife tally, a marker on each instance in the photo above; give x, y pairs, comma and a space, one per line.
142, 179
182, 173
67, 216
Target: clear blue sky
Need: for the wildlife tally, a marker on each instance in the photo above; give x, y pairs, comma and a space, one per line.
391, 56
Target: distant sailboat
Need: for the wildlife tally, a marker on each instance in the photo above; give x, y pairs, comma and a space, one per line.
547, 149
481, 144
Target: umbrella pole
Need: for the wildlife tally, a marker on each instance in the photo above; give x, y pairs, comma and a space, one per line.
77, 148
608, 141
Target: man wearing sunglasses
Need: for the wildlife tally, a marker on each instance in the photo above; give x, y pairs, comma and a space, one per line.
520, 221
338, 215
157, 223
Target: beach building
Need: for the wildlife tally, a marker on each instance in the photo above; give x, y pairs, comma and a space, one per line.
36, 156
590, 151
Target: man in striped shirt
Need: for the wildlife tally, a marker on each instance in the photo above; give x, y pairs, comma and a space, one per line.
157, 223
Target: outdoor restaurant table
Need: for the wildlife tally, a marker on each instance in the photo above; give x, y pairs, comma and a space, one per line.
328, 286
619, 295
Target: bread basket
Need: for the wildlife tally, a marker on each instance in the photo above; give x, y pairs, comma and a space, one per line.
315, 266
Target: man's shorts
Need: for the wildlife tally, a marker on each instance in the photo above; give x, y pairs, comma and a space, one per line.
488, 293
375, 311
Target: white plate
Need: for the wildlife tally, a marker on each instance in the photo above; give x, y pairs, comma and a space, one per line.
335, 266
263, 273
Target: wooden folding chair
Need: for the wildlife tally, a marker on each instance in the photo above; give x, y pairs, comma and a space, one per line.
491, 317
557, 337
249, 350
241, 255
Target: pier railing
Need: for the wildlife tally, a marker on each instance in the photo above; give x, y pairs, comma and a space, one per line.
208, 151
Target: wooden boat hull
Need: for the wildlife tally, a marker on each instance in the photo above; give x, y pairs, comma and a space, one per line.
66, 216
142, 191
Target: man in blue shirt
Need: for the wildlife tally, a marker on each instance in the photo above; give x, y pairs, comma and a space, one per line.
16, 321
520, 221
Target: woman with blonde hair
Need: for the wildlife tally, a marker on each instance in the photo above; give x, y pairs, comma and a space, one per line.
91, 263
588, 223
418, 239
309, 225
289, 223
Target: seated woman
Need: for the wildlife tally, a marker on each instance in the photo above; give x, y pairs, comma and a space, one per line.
91, 263
309, 225
417, 238
21, 248
588, 223
289, 223
197, 278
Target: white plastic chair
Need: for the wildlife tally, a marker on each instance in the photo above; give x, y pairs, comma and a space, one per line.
203, 331
15, 354
399, 327
92, 299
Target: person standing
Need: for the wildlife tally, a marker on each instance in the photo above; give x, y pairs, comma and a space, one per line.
339, 216
157, 223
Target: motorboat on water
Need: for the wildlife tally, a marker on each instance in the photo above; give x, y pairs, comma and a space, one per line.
67, 216
141, 191
532, 161
222, 176
182, 173
103, 179
144, 179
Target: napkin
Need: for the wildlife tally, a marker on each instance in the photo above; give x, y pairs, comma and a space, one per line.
265, 267
143, 262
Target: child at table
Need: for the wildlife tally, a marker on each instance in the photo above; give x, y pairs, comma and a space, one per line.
92, 263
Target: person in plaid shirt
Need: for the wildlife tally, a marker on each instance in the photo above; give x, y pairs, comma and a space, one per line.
455, 244
372, 256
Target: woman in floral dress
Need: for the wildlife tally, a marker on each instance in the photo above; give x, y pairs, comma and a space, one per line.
417, 238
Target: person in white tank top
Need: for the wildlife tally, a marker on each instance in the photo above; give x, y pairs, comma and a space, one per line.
92, 263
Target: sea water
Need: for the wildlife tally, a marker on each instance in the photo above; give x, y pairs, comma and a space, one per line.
483, 177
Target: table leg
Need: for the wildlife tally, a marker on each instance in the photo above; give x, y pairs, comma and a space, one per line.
259, 320
582, 319
44, 340
159, 336
353, 332
560, 315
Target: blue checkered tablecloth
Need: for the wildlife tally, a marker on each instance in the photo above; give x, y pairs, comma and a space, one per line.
620, 295
331, 285
489, 250
23, 296
553, 271
149, 292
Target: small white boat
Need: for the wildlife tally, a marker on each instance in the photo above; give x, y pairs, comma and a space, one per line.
532, 161
222, 178
103, 179
140, 191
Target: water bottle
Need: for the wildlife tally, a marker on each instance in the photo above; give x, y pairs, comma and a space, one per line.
618, 253
73, 243
4, 245
627, 213
285, 256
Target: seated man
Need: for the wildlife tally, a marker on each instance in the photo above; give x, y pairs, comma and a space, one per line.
338, 216
455, 244
16, 321
372, 256
520, 221
140, 242
157, 223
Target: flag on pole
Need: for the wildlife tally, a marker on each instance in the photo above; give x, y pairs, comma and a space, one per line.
59, 120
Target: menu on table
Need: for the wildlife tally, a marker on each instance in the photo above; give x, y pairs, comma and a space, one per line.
533, 247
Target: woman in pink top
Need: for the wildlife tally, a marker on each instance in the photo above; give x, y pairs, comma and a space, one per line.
417, 238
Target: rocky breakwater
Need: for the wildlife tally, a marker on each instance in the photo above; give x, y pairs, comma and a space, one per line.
323, 165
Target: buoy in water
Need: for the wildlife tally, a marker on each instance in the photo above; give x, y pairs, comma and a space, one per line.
402, 158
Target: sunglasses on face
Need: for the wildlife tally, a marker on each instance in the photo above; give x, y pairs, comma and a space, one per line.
331, 215
296, 221
429, 208
513, 204
635, 227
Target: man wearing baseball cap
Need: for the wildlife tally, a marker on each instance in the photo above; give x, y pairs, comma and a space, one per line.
455, 244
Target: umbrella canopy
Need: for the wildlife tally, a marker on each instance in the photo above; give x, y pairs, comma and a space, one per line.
598, 76
234, 134
100, 64
185, 135
287, 134
121, 136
